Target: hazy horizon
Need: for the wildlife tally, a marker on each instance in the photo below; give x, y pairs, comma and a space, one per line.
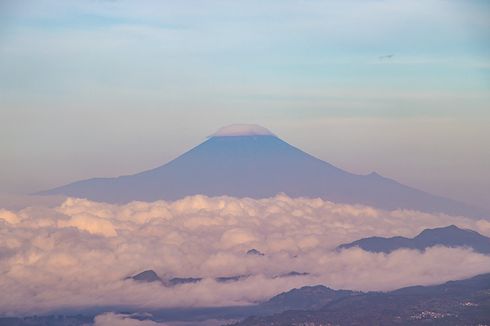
469, 198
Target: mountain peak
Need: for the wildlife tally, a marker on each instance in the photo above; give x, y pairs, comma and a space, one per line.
451, 227
242, 130
449, 236
146, 276
245, 160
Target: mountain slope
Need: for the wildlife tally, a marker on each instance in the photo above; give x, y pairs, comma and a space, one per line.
450, 236
258, 166
465, 302
307, 297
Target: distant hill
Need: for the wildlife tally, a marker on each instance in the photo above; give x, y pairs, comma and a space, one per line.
307, 297
149, 276
464, 302
249, 161
450, 236
146, 276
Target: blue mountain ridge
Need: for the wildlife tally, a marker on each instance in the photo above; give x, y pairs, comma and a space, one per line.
450, 236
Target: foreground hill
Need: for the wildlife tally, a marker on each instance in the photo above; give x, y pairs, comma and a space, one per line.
255, 163
464, 302
450, 236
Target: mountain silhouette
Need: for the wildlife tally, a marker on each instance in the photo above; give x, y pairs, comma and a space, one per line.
249, 161
450, 236
147, 276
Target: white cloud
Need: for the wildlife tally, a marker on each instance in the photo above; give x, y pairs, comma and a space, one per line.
78, 253
8, 216
112, 319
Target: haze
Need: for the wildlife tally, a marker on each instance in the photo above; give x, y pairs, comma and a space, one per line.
248, 163
105, 88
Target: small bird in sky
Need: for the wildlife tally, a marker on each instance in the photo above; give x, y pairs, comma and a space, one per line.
386, 57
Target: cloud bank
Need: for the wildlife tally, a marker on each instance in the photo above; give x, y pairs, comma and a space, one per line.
79, 253
112, 319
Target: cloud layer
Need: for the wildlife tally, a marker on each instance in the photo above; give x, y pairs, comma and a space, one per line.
78, 254
111, 319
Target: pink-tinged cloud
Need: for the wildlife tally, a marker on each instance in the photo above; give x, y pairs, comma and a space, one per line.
79, 253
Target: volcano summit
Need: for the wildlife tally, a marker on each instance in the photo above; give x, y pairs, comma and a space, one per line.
250, 161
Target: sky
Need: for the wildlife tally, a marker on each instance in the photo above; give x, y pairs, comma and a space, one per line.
106, 88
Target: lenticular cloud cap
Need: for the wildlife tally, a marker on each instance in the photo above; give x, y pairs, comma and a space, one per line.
242, 130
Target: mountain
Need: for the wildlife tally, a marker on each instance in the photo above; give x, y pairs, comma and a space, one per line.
149, 276
465, 302
255, 252
183, 280
146, 276
450, 236
307, 297
249, 161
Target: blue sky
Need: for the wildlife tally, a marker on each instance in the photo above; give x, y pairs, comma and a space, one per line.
103, 88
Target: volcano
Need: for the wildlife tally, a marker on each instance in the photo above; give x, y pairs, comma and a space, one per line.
250, 161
